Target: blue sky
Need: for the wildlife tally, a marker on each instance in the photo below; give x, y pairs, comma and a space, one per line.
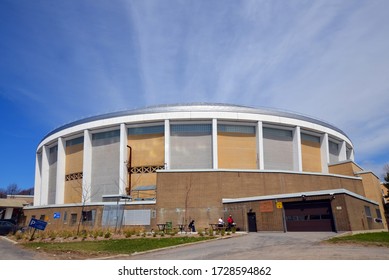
61, 61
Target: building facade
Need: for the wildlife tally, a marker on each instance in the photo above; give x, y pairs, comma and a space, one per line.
271, 170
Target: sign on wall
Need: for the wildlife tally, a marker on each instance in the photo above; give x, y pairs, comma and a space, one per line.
266, 206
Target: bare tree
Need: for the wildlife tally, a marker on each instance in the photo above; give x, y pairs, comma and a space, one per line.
386, 180
12, 189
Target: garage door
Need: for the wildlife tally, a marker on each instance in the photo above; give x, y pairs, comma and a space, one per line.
309, 216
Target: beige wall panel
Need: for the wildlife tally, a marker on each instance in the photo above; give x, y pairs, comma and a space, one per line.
74, 158
73, 191
346, 168
147, 149
237, 151
372, 187
311, 156
144, 179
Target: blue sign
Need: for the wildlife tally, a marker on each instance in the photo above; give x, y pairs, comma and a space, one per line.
38, 224
57, 215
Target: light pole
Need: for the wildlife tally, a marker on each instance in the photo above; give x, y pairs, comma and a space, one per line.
129, 166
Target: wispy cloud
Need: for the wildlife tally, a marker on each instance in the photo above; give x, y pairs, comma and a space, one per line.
65, 60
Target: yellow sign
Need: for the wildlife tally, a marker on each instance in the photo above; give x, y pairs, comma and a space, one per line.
279, 205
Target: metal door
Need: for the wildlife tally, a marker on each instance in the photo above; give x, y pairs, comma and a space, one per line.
252, 221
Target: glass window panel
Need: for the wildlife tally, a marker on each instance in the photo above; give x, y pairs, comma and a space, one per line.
156, 129
236, 128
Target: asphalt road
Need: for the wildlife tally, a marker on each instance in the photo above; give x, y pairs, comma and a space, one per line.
252, 246
11, 251
268, 246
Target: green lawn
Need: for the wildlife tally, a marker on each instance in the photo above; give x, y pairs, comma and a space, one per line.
119, 246
374, 238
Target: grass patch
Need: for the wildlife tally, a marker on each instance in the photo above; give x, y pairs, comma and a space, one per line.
374, 238
119, 246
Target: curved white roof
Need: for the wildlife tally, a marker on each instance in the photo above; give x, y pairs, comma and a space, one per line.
196, 107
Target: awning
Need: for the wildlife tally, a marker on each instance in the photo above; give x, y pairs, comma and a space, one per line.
12, 203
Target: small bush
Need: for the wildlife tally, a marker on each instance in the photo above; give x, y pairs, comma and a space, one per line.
107, 234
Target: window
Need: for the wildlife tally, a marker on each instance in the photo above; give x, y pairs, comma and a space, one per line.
156, 129
76, 141
73, 219
42, 217
378, 212
367, 212
65, 216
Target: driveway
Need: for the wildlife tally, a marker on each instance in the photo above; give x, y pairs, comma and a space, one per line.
268, 246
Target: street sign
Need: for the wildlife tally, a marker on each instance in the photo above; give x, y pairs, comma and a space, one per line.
279, 205
57, 215
37, 224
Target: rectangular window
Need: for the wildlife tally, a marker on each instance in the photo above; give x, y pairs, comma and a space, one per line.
182, 129
106, 135
42, 217
75, 141
155, 129
378, 212
310, 138
73, 219
65, 216
367, 212
244, 129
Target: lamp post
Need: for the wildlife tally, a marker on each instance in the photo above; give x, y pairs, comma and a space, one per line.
129, 166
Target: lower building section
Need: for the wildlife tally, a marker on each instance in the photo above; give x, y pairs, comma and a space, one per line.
257, 201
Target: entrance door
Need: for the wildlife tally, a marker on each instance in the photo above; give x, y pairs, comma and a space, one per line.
252, 221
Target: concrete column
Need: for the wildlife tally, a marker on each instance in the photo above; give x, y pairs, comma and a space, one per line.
38, 178
325, 152
215, 159
167, 144
297, 156
123, 157
61, 169
87, 168
44, 195
260, 158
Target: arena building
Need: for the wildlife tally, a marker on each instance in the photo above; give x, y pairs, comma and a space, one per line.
166, 165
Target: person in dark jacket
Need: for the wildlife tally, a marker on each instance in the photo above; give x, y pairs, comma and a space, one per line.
192, 226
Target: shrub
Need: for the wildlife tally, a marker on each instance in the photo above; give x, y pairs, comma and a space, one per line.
107, 234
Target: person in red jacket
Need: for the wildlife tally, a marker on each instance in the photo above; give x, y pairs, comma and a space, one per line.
230, 222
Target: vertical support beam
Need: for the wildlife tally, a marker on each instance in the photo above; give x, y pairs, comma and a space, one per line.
61, 167
87, 168
215, 159
260, 158
44, 195
325, 152
352, 154
38, 178
342, 151
123, 158
297, 156
167, 144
